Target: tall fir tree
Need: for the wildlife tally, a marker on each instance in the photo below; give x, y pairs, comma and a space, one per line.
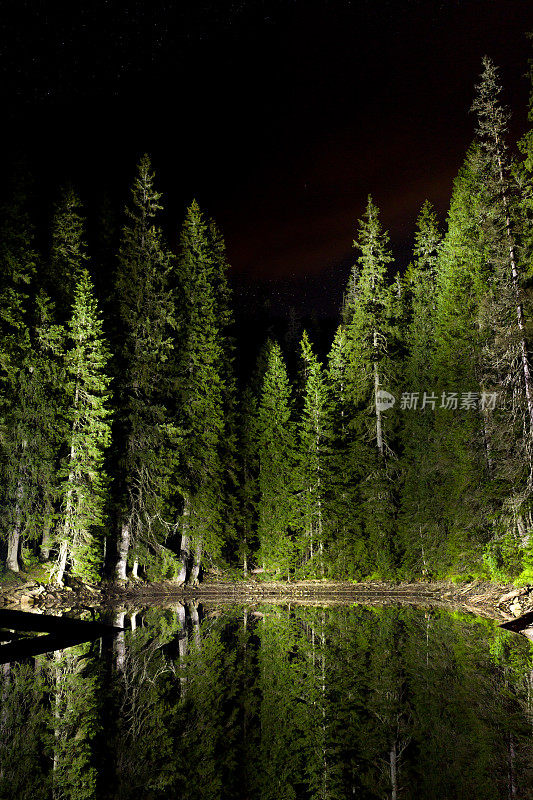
80, 529
68, 253
312, 456
418, 494
18, 259
345, 454
145, 432
506, 353
371, 341
204, 391
277, 480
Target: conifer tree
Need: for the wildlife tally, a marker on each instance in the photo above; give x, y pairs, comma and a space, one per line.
312, 445
417, 526
204, 389
84, 481
68, 254
276, 443
345, 454
18, 260
371, 340
144, 430
460, 454
506, 357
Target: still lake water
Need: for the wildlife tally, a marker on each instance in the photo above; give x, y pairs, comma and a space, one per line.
276, 703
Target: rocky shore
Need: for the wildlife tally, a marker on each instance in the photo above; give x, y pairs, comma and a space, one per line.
503, 603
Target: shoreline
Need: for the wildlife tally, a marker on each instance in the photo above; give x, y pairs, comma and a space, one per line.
503, 603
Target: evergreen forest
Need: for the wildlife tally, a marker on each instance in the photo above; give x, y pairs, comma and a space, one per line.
134, 447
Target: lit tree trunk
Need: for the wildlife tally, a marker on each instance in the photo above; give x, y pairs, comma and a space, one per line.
62, 562
13, 539
135, 569
185, 546
516, 285
46, 542
379, 432
123, 546
197, 561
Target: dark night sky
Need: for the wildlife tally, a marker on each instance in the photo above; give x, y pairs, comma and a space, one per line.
280, 117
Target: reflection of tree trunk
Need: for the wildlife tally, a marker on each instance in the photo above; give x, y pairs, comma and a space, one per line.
195, 619
123, 547
512, 774
182, 645
133, 621
120, 642
197, 561
57, 709
393, 756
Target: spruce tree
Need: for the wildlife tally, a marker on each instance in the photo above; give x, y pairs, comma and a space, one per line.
276, 443
312, 455
506, 357
371, 341
83, 479
68, 254
345, 453
418, 496
460, 454
204, 385
18, 259
144, 432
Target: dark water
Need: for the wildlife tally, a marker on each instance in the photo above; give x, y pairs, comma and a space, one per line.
277, 704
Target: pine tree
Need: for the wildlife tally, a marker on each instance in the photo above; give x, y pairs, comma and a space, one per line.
68, 254
347, 553
204, 390
312, 444
144, 428
505, 362
84, 480
417, 516
371, 341
276, 443
18, 260
460, 453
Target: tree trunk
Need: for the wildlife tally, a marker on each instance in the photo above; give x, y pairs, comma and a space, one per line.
62, 562
184, 556
197, 562
13, 540
46, 542
379, 431
519, 307
185, 546
123, 546
13, 537
135, 569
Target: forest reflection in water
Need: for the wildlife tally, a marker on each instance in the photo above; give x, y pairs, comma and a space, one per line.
274, 703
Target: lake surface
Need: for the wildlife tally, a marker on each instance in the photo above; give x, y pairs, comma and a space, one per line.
274, 703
